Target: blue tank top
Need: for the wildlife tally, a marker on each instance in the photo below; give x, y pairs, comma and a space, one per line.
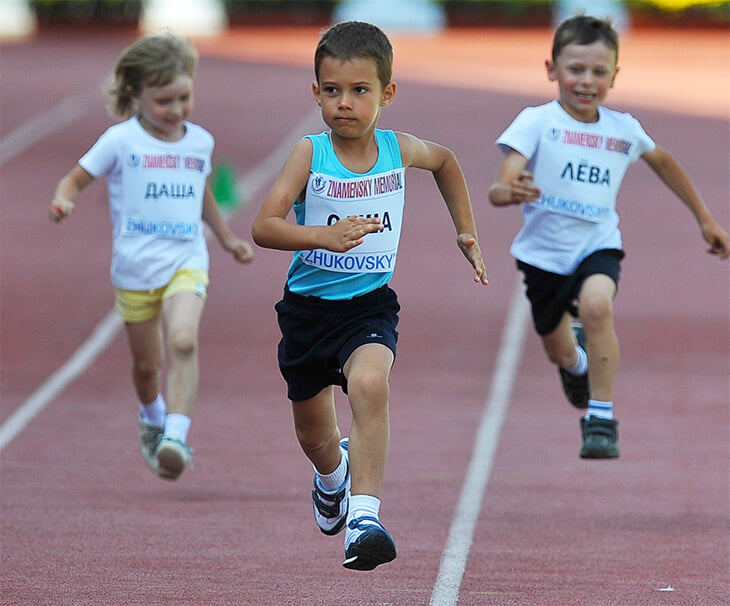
334, 192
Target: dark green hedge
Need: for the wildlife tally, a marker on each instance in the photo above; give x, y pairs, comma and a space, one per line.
460, 12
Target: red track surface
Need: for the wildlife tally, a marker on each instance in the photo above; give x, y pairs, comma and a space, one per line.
84, 522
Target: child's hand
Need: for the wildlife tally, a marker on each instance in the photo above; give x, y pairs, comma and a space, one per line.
523, 189
349, 232
470, 247
60, 209
718, 239
242, 251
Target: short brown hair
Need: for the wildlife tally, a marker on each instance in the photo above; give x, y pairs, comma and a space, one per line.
356, 40
583, 29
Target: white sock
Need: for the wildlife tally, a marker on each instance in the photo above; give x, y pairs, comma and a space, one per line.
154, 412
330, 482
177, 427
602, 410
581, 367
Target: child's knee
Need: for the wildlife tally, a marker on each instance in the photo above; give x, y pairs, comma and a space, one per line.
595, 309
368, 384
182, 342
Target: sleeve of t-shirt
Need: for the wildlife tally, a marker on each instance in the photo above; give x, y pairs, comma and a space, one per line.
644, 143
522, 135
102, 156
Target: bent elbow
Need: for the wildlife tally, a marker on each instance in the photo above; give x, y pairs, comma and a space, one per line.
258, 234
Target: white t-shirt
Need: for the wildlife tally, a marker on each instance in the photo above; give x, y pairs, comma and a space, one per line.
579, 168
156, 193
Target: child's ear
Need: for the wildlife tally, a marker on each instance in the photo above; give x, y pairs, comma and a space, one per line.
315, 92
550, 67
388, 94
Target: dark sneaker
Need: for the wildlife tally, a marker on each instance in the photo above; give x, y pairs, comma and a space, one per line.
372, 547
173, 456
600, 438
576, 388
330, 508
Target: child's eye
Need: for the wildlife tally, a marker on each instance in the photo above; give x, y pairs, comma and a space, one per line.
330, 90
361, 90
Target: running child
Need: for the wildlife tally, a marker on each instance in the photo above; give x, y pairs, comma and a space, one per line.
564, 163
157, 165
338, 315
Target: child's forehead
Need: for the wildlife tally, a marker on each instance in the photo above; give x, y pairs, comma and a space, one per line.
597, 51
180, 83
350, 67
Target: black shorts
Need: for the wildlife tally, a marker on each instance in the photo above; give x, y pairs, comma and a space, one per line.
551, 295
318, 336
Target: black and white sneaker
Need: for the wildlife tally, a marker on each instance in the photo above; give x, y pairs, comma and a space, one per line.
330, 508
371, 547
576, 388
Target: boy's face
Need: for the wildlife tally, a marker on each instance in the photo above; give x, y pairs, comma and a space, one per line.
351, 96
584, 73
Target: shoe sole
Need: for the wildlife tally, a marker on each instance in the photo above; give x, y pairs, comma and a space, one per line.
172, 461
375, 549
599, 453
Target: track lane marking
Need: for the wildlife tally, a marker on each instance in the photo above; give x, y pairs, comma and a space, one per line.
46, 123
461, 533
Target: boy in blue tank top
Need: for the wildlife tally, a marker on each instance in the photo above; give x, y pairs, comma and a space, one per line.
338, 316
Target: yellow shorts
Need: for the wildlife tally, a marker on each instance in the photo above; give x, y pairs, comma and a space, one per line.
143, 305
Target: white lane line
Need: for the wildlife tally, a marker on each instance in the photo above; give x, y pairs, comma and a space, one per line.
466, 515
95, 344
104, 333
44, 124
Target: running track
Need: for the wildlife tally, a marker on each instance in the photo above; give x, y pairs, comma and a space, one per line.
84, 523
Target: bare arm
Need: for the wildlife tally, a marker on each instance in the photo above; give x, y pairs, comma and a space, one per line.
241, 250
671, 172
450, 180
514, 184
272, 230
67, 192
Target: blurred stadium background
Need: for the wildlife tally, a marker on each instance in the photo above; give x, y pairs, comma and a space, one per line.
21, 17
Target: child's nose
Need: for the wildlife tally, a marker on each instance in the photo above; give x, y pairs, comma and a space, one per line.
345, 99
176, 108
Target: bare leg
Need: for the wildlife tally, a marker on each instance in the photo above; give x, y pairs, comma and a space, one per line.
315, 423
560, 344
595, 304
145, 342
368, 372
182, 313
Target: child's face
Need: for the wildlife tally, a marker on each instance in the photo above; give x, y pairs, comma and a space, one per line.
163, 110
351, 96
584, 73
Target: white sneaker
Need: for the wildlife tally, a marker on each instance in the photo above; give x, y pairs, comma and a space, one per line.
173, 456
149, 438
330, 508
